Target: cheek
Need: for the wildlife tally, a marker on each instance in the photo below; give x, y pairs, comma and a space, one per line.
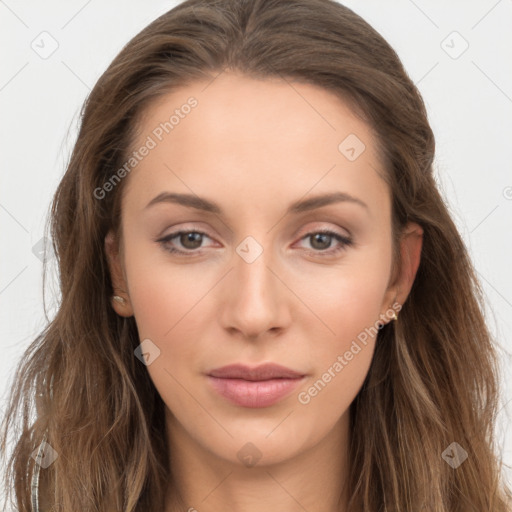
165, 297
170, 307
167, 308
350, 305
350, 299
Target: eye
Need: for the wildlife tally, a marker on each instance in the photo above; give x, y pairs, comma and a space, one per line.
321, 242
191, 241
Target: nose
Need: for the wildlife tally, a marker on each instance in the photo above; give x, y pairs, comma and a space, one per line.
256, 299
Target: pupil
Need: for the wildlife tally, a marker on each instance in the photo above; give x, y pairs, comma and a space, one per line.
315, 237
189, 237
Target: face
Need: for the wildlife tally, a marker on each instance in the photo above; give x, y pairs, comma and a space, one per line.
253, 279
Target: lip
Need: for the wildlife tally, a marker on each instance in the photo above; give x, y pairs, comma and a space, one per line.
260, 386
265, 371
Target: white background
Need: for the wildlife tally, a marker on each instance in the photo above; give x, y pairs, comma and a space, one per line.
469, 100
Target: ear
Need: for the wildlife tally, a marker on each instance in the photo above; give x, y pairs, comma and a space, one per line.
117, 276
411, 243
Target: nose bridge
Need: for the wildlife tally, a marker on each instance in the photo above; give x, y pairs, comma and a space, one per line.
253, 257
255, 295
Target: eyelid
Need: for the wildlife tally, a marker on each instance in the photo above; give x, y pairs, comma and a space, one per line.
325, 226
318, 227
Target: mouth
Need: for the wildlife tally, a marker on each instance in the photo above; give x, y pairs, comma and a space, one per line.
261, 386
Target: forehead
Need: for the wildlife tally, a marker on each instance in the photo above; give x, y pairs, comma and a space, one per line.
245, 140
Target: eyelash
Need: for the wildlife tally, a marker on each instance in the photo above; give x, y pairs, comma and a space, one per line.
344, 241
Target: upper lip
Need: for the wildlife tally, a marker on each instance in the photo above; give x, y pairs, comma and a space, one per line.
263, 372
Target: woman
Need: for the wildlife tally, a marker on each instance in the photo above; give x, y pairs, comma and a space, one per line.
309, 337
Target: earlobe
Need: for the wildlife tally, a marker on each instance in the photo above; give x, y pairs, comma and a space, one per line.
120, 300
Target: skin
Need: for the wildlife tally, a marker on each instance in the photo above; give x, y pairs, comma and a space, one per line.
254, 147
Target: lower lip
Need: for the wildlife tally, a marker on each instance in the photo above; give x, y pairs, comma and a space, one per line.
262, 393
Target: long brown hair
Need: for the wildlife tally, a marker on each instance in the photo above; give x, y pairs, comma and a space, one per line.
434, 376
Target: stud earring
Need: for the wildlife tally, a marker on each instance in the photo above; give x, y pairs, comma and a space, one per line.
393, 318
119, 299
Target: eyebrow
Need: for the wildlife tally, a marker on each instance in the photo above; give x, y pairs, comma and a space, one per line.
200, 203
